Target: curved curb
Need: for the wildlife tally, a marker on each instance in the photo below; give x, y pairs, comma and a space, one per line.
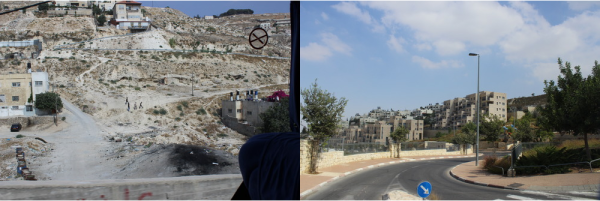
479, 183
314, 189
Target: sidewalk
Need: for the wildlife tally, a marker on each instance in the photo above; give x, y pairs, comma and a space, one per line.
311, 182
579, 182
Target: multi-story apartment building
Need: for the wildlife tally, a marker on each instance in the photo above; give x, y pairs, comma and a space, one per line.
15, 90
128, 15
414, 127
353, 134
378, 132
460, 111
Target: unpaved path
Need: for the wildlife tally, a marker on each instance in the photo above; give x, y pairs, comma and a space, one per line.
79, 149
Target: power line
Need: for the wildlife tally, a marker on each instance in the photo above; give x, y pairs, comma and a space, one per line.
23, 8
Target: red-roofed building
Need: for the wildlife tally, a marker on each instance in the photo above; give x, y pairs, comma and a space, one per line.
278, 95
128, 15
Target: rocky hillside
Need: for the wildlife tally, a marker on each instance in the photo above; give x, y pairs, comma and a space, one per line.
98, 68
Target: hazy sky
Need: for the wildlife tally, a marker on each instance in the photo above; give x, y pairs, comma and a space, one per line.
403, 55
202, 8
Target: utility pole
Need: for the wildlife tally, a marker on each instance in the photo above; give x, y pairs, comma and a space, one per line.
192, 84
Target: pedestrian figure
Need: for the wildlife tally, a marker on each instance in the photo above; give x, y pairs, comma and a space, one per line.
127, 100
135, 105
141, 105
127, 106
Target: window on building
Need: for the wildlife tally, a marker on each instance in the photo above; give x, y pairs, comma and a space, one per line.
239, 110
15, 98
230, 110
248, 112
16, 84
39, 83
29, 108
4, 107
2, 98
15, 107
121, 7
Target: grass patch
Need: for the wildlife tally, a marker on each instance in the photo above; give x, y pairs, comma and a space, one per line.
162, 111
19, 136
201, 111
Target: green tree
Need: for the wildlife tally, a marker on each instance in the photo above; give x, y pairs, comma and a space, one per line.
572, 102
467, 135
321, 111
101, 20
491, 127
398, 136
48, 101
276, 118
525, 132
43, 7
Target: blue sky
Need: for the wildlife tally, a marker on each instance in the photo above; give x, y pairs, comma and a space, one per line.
403, 55
202, 8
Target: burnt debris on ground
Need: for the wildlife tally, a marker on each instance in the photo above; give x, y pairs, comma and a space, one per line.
199, 160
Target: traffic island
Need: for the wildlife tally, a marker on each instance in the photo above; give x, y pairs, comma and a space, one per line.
583, 182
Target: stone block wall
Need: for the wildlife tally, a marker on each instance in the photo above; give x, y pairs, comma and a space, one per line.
332, 158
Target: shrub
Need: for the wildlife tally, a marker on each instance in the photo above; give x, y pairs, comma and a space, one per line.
185, 104
201, 111
137, 88
20, 136
545, 155
177, 119
156, 112
163, 111
181, 114
148, 145
63, 118
179, 108
222, 135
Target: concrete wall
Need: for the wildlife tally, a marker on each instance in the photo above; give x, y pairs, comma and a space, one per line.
332, 158
210, 187
79, 12
233, 123
28, 121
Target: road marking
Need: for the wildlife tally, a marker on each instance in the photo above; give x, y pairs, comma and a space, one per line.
370, 166
516, 197
347, 173
359, 169
592, 194
553, 196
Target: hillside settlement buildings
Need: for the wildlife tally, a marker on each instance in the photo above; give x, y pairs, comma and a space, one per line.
377, 125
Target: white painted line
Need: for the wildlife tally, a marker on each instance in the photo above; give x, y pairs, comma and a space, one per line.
591, 194
347, 173
441, 157
516, 197
392, 162
554, 196
335, 178
413, 159
370, 166
359, 169
380, 164
450, 156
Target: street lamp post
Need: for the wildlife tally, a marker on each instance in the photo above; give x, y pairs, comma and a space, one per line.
478, 104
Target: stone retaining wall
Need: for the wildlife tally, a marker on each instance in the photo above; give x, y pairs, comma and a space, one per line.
332, 158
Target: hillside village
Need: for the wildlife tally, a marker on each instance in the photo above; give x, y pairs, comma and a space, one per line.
100, 69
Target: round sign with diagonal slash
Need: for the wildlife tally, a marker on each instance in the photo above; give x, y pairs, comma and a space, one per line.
258, 38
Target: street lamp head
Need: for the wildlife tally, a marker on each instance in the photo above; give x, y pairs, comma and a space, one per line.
473, 54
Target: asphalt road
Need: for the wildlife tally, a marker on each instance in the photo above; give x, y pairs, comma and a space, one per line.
371, 184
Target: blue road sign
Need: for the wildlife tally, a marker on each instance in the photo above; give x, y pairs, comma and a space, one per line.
424, 189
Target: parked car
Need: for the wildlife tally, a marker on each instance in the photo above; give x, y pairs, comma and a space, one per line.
16, 127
